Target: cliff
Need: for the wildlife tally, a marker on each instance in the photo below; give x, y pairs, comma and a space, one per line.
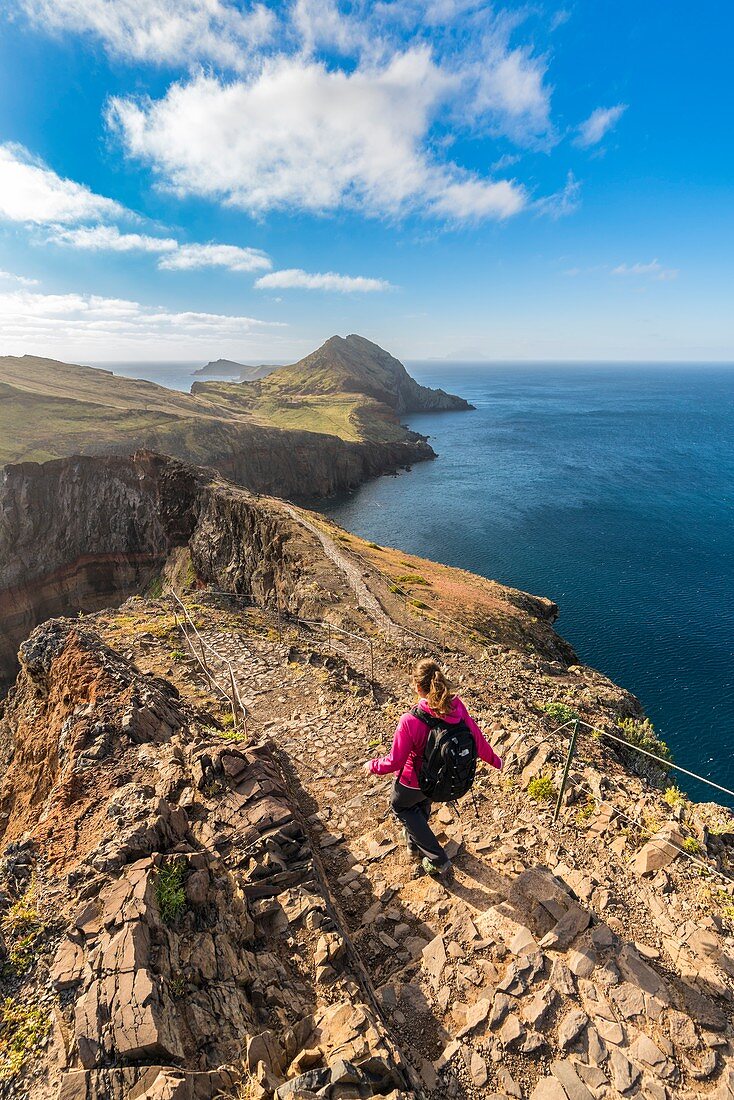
50, 409
84, 532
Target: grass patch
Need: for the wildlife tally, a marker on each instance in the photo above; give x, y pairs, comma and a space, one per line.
560, 712
169, 891
411, 578
419, 604
586, 811
231, 734
375, 546
692, 846
674, 798
23, 1027
541, 789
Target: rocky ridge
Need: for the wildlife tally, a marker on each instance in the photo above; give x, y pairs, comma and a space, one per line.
192, 910
352, 364
84, 532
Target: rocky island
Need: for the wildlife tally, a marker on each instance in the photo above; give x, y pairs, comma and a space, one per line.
227, 368
201, 895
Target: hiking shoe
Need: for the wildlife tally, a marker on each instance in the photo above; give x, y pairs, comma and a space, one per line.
409, 843
437, 870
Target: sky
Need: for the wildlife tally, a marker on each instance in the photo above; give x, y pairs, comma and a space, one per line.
195, 179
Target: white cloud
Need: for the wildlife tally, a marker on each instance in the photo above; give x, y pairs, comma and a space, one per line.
23, 280
476, 199
301, 136
511, 94
652, 270
108, 238
188, 257
294, 278
162, 31
33, 193
90, 324
175, 256
561, 203
598, 125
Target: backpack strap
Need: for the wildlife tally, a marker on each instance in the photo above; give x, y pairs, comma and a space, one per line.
430, 720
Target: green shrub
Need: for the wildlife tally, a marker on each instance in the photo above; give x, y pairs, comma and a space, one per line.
178, 655
420, 604
23, 925
23, 1028
541, 789
169, 890
411, 578
560, 712
691, 845
674, 798
642, 734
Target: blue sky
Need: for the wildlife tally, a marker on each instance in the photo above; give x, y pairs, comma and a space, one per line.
450, 178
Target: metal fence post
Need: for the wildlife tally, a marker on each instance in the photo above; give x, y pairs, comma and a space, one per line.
235, 719
566, 767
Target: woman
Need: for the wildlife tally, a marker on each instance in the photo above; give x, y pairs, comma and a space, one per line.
409, 803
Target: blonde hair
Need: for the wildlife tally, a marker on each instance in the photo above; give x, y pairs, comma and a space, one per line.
434, 685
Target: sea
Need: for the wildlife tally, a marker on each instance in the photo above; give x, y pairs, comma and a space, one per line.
608, 488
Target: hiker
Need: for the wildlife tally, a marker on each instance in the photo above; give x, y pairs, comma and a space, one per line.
434, 752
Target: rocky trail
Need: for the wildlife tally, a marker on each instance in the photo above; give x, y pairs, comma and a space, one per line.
194, 906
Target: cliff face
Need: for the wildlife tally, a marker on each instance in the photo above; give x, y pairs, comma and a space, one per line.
84, 532
51, 409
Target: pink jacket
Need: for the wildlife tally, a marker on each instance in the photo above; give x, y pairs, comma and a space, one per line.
410, 738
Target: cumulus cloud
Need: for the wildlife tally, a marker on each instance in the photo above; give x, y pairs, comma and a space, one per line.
301, 136
598, 125
319, 105
188, 257
294, 278
652, 270
162, 31
33, 193
93, 324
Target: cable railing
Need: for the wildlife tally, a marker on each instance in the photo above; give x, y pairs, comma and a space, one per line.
668, 765
241, 714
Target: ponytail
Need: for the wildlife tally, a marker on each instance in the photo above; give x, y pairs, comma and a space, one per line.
434, 685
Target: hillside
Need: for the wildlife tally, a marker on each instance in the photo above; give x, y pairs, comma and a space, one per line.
349, 386
50, 409
201, 902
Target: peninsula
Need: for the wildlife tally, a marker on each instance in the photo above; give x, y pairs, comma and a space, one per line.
322, 425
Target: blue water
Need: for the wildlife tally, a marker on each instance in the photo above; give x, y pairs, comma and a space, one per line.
174, 375
608, 489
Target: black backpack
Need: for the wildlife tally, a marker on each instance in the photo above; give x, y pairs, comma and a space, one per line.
449, 759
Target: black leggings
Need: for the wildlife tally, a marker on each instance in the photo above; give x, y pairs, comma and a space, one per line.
413, 809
